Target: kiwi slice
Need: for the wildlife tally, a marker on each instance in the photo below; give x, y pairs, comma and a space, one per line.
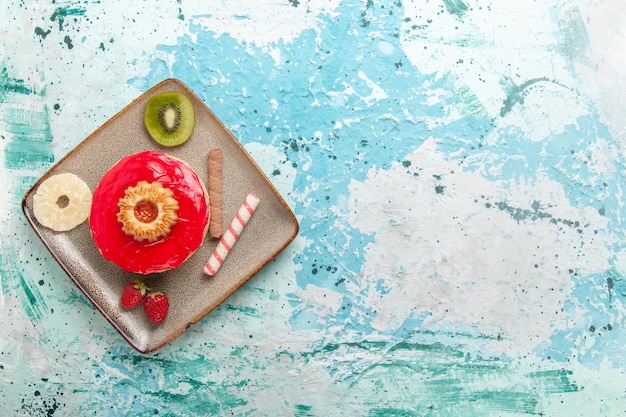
169, 118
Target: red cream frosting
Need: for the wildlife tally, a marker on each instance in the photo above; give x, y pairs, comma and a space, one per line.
169, 251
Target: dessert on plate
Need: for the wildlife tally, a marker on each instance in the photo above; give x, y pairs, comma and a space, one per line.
149, 213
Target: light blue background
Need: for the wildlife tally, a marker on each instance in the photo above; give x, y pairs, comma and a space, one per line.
441, 165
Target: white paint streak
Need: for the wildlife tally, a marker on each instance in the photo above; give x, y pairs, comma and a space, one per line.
492, 60
465, 262
604, 81
320, 301
261, 22
377, 92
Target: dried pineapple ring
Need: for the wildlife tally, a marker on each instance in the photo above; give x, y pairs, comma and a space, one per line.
147, 211
62, 202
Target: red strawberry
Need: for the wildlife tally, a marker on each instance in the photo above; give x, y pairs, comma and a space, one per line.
156, 306
133, 293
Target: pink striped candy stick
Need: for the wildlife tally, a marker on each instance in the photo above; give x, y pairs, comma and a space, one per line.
231, 234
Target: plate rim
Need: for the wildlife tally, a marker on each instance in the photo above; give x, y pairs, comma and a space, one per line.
29, 216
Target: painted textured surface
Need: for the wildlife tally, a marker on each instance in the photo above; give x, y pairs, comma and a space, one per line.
457, 171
